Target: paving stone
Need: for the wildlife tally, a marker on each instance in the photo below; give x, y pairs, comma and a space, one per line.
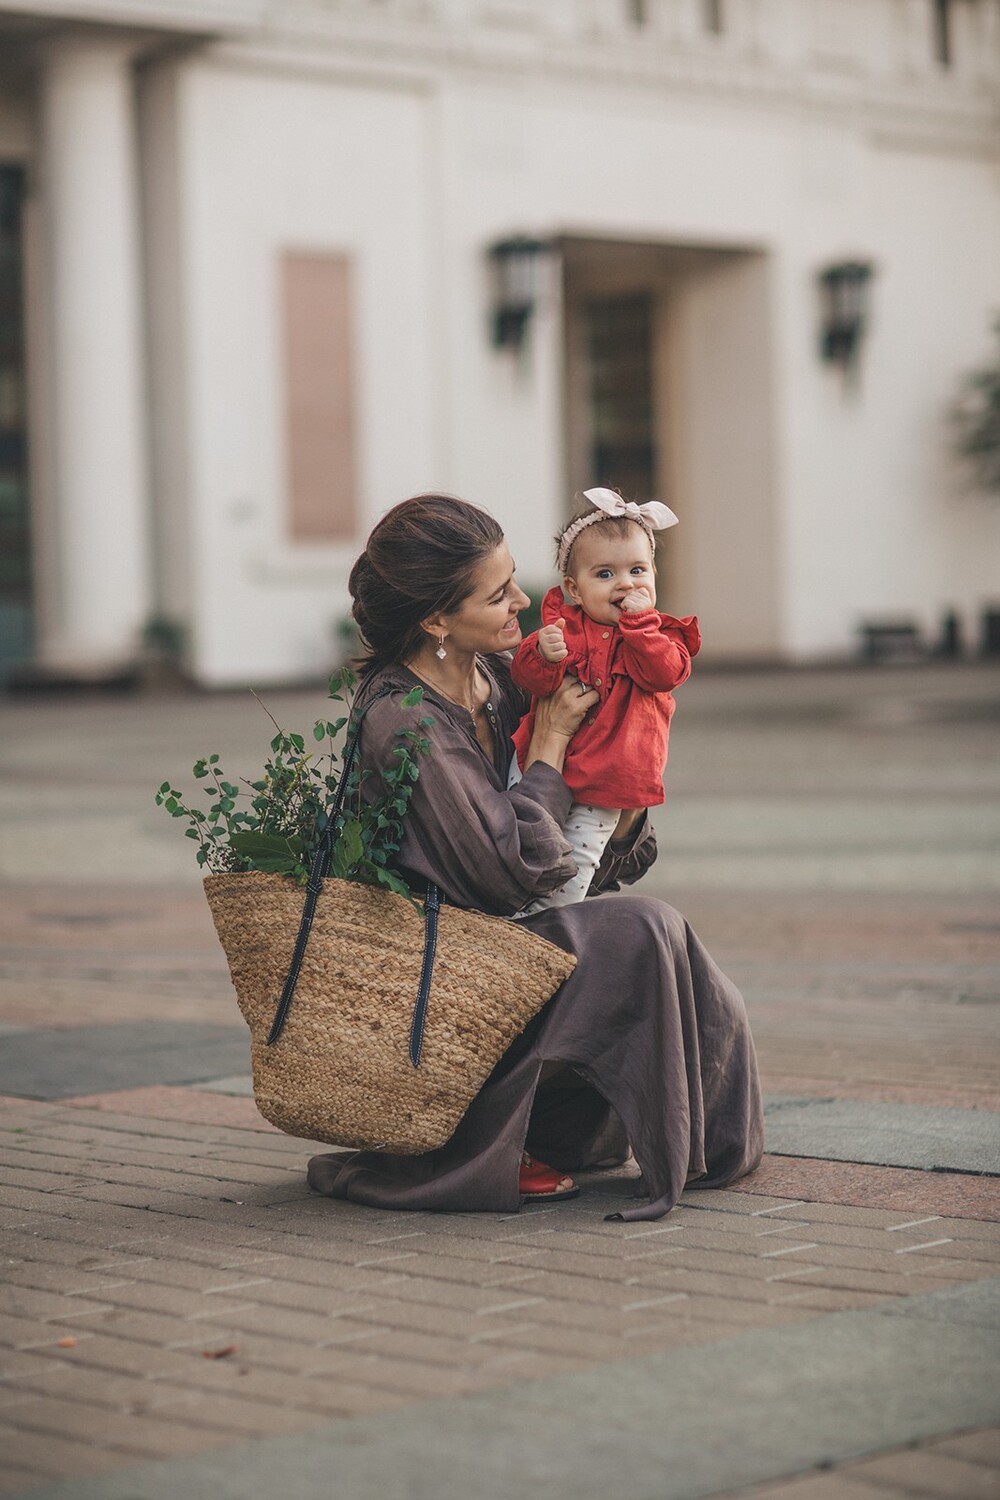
887, 1135
162, 1330
928, 1473
166, 1102
720, 1288
474, 1275
475, 1300
129, 1433
48, 1064
88, 1243
307, 1281
579, 1341
75, 1123
605, 1270
249, 1352
900, 1260
48, 1306
954, 1270
188, 1275
386, 1378
982, 1447
34, 1276
838, 1485
14, 1479
520, 1364
308, 1328
974, 1303
17, 1366
432, 1349
657, 1421
880, 1190
827, 1299
314, 1389
87, 1162
883, 1283
722, 1263
571, 1288
87, 1386
69, 1181
731, 1313
731, 1200
147, 1296
235, 1415
126, 1357
26, 1334
966, 1249
159, 1373
430, 1318
60, 1212
599, 1319
42, 1453
970, 1228
827, 1233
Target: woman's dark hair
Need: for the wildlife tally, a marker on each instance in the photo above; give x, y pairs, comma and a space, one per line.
421, 560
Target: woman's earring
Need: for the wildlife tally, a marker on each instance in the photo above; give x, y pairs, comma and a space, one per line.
440, 653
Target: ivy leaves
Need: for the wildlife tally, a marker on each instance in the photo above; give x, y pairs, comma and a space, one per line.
275, 824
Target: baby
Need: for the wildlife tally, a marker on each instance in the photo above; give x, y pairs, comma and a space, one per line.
613, 638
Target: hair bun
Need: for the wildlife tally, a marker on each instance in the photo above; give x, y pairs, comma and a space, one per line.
421, 559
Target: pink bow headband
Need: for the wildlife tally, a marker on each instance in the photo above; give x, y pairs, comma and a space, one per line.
651, 517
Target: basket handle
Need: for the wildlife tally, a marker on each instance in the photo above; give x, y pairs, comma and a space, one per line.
317, 874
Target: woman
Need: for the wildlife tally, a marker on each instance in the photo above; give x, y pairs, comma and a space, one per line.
646, 1045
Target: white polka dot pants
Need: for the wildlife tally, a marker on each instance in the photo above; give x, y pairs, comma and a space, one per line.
588, 830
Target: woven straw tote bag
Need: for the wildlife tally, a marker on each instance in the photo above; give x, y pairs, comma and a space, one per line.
371, 1025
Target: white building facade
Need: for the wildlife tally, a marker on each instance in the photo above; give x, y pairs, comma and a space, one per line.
249, 304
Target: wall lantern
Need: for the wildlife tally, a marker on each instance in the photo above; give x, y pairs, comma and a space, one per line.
844, 293
515, 287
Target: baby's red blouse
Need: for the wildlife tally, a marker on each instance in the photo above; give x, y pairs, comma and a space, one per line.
617, 756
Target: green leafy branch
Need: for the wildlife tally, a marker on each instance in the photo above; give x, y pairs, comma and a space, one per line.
275, 824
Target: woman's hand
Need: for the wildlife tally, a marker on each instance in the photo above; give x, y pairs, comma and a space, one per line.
557, 718
627, 824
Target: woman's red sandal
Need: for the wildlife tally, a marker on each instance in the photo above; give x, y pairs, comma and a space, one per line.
541, 1184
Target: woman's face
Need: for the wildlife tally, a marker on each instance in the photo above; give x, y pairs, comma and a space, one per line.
487, 619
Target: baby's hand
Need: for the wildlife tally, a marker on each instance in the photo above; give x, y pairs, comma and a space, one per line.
552, 642
635, 601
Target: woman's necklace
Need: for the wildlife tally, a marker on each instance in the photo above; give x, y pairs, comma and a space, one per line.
477, 708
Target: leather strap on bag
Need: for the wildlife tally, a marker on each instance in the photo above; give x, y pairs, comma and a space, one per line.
317, 874
432, 905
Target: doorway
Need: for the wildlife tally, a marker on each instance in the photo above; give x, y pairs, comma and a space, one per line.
668, 397
618, 338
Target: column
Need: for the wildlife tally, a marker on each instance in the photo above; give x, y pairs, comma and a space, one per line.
94, 540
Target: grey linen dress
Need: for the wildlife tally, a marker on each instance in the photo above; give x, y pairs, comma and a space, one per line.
657, 1039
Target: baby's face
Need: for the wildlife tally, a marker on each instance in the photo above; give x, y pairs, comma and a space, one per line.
608, 568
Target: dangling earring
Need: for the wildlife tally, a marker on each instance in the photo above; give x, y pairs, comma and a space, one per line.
440, 653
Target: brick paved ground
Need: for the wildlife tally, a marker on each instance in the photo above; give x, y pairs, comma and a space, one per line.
175, 1306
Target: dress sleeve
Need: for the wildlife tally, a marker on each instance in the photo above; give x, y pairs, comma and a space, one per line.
486, 847
625, 862
657, 649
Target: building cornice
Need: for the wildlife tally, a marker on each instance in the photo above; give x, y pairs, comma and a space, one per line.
199, 17
873, 68
928, 110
